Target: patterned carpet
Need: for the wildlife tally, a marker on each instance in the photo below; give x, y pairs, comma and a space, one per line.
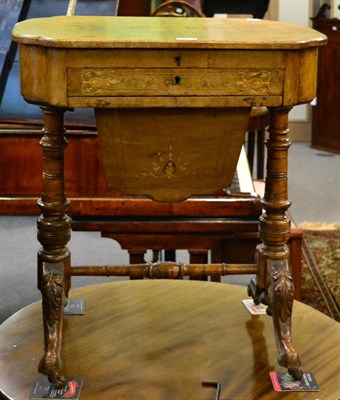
321, 268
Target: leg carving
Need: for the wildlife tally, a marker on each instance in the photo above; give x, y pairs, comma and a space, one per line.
53, 301
54, 232
274, 285
281, 296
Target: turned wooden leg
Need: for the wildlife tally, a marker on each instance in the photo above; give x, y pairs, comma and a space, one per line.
54, 232
274, 285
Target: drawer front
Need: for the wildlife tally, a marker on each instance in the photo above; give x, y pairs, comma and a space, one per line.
92, 82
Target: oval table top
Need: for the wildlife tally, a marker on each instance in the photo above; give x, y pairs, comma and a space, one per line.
158, 340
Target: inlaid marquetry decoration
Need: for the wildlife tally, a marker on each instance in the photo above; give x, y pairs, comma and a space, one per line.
168, 81
93, 81
168, 154
254, 82
168, 165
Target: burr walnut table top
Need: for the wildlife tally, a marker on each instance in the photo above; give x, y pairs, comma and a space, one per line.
151, 32
160, 340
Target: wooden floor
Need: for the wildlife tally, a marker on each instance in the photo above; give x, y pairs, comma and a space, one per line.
158, 340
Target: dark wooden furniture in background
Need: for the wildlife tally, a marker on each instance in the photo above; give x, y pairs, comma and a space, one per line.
163, 325
133, 8
325, 114
257, 8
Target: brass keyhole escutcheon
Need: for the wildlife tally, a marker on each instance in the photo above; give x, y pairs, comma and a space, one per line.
177, 80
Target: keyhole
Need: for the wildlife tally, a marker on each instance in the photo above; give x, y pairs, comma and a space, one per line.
177, 80
177, 60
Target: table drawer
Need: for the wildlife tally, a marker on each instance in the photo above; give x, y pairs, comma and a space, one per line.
91, 82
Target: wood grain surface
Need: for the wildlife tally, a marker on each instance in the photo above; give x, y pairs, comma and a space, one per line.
159, 340
131, 32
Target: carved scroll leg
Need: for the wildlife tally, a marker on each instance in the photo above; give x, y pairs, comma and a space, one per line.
274, 285
53, 304
54, 232
281, 296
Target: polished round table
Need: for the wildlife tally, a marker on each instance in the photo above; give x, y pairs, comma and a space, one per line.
158, 340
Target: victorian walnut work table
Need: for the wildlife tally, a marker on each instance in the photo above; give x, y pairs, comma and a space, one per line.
172, 99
